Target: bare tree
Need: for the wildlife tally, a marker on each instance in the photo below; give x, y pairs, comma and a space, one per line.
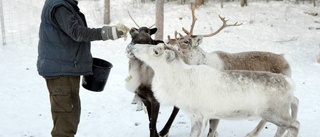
182, 1
318, 57
199, 2
244, 3
221, 3
2, 24
106, 19
159, 19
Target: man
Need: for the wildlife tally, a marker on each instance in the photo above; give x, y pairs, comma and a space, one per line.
64, 55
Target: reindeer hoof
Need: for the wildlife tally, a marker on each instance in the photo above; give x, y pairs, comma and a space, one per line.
166, 135
215, 134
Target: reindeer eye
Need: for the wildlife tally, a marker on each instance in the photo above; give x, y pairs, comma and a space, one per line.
157, 51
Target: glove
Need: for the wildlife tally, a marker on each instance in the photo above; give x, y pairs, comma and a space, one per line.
124, 29
114, 32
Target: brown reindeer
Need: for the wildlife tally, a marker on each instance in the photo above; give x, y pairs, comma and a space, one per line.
140, 77
193, 54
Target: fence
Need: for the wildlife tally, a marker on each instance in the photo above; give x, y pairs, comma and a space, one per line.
20, 19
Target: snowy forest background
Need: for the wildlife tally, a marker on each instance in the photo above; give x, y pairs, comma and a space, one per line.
288, 27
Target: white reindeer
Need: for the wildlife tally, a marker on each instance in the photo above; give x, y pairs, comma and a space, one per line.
207, 93
253, 60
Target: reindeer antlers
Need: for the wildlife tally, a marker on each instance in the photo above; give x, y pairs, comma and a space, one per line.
194, 19
133, 19
224, 25
190, 33
175, 40
136, 22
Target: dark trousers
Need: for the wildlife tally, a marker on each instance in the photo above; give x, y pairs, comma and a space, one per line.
65, 105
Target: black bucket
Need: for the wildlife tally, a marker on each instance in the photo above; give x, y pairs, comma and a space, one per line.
98, 80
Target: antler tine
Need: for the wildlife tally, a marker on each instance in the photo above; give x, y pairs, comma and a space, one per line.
152, 25
224, 25
133, 19
173, 41
175, 35
194, 18
225, 22
185, 31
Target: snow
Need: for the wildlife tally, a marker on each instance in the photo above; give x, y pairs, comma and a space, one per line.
279, 27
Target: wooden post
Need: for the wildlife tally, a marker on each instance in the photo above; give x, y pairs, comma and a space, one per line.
106, 19
159, 19
2, 25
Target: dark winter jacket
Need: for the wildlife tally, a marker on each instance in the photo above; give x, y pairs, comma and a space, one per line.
64, 45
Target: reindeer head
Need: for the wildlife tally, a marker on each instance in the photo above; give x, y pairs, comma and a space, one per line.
153, 53
188, 42
142, 35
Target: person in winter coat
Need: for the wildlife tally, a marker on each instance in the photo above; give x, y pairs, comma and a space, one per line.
64, 55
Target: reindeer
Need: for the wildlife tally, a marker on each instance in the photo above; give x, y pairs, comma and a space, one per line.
140, 77
208, 93
191, 53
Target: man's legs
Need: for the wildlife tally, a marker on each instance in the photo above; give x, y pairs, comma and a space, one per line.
65, 105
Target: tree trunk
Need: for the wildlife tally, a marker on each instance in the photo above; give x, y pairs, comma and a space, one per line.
159, 19
318, 57
221, 3
314, 3
2, 24
199, 2
244, 3
106, 19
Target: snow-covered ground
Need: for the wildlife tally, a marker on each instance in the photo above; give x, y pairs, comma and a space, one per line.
278, 27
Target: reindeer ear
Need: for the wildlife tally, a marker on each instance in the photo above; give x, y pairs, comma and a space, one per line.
170, 55
153, 31
196, 41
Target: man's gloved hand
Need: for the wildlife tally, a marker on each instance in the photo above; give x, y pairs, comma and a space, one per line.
114, 32
124, 29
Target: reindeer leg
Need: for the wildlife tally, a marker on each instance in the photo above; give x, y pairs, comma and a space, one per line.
155, 106
294, 108
213, 128
198, 124
284, 122
164, 132
152, 106
257, 130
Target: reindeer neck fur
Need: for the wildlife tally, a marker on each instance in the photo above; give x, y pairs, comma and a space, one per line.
197, 56
140, 74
